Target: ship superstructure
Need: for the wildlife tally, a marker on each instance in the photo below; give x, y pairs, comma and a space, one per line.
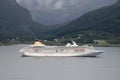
40, 49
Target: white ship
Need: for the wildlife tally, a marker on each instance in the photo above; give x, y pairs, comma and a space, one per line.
39, 49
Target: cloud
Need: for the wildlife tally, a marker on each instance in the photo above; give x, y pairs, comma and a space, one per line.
58, 11
59, 5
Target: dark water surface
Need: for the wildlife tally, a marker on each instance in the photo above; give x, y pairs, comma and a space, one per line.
14, 67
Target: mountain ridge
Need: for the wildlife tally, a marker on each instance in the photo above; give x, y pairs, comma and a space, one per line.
86, 19
16, 24
98, 24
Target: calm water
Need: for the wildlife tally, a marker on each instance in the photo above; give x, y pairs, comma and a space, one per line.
14, 67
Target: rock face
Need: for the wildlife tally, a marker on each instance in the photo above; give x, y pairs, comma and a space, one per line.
16, 23
11, 11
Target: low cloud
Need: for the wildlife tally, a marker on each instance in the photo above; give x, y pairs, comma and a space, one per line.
57, 11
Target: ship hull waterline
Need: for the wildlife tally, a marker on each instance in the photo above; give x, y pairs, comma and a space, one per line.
90, 54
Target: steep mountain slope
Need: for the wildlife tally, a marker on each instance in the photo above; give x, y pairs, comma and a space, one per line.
11, 11
103, 23
16, 23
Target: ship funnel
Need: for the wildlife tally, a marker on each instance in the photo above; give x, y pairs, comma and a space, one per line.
38, 43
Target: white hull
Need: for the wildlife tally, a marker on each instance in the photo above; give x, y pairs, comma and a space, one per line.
88, 54
69, 50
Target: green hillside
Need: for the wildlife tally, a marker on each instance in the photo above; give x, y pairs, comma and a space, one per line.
100, 24
16, 24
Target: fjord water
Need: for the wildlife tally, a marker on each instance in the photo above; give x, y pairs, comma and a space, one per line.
14, 67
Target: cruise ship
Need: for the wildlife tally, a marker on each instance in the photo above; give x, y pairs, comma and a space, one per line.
73, 50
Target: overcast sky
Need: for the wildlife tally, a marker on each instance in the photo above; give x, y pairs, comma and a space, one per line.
51, 12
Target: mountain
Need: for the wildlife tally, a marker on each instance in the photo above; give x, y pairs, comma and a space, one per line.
103, 23
17, 26
16, 23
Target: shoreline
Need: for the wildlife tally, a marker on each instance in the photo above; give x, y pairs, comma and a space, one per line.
10, 44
